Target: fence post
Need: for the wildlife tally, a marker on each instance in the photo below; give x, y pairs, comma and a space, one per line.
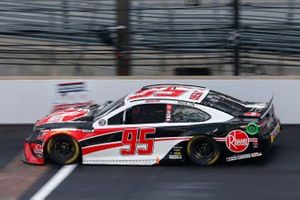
123, 37
236, 27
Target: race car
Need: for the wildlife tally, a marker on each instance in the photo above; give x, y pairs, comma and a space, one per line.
160, 123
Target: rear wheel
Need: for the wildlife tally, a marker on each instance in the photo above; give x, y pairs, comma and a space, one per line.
62, 149
203, 150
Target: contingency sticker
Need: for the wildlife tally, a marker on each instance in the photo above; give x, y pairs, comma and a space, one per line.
243, 156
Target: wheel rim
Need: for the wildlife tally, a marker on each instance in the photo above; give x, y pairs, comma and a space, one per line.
63, 148
204, 149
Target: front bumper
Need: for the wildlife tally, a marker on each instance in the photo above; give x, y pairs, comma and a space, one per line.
29, 156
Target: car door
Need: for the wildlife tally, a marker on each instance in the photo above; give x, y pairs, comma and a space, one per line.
127, 136
140, 130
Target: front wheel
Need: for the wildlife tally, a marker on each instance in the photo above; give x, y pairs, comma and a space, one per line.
203, 150
63, 150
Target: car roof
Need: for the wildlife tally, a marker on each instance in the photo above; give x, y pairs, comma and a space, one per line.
179, 92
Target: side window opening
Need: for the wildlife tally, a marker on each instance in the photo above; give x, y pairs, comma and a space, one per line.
147, 113
116, 120
182, 113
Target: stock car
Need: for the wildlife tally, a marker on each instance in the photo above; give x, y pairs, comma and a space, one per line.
157, 124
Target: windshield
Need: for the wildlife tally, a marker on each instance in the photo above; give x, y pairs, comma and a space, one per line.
110, 107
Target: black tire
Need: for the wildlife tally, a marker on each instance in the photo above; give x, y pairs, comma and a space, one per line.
203, 150
63, 150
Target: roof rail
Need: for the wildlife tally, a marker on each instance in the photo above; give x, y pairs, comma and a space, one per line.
170, 84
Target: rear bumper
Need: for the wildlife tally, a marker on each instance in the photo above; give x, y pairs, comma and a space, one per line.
275, 133
271, 137
257, 145
29, 156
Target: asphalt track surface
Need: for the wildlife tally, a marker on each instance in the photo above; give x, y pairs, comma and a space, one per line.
276, 176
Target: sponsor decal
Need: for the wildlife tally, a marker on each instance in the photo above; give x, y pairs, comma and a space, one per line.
169, 111
175, 157
37, 150
243, 156
102, 122
255, 145
252, 128
186, 103
74, 94
64, 116
176, 154
256, 154
196, 95
275, 133
252, 114
237, 141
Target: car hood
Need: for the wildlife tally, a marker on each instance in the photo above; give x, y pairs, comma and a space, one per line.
66, 115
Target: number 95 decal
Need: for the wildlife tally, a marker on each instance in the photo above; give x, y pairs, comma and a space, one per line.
136, 141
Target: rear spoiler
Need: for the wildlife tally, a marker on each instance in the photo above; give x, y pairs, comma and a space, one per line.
268, 108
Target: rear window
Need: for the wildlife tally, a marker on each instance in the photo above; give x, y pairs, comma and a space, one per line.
224, 103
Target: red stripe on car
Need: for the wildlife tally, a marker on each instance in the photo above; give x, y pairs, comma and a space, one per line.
100, 147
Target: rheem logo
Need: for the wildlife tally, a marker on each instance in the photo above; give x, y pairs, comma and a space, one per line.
237, 141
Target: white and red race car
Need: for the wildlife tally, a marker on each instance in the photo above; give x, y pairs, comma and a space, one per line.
156, 124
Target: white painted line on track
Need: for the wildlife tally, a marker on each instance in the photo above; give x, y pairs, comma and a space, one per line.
57, 179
